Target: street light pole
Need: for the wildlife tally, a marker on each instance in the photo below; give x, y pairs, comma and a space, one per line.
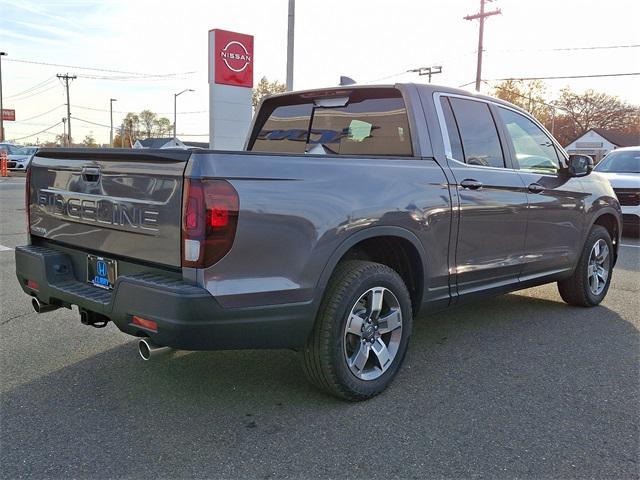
290, 43
175, 114
111, 100
2, 54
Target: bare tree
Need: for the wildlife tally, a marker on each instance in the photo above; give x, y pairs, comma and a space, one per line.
90, 141
148, 121
265, 87
593, 109
163, 127
530, 96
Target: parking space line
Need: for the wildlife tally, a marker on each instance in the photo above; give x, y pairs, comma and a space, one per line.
627, 245
4, 249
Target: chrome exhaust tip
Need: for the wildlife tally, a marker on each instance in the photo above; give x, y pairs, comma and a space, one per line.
148, 349
41, 307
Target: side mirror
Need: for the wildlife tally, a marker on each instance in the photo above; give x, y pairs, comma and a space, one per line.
580, 165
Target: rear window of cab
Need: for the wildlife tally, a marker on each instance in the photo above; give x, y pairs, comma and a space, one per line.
357, 122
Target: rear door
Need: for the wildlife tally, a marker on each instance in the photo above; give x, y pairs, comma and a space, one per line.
492, 199
556, 200
111, 202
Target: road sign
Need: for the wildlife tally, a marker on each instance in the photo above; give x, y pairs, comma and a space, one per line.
8, 115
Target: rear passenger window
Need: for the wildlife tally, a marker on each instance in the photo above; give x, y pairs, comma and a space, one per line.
478, 132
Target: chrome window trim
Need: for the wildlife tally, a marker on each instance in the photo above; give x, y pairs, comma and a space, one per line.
445, 133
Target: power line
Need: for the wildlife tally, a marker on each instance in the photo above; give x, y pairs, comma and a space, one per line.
566, 49
30, 89
92, 123
35, 93
122, 111
40, 114
518, 94
108, 126
37, 133
566, 76
150, 78
601, 47
99, 69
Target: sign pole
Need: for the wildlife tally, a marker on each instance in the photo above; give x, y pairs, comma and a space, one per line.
2, 54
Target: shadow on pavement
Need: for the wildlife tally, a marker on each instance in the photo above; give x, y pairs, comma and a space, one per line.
515, 386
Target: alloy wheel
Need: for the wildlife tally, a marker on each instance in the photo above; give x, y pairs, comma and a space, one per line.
598, 267
373, 333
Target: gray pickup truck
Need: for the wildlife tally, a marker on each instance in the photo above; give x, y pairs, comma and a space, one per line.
352, 211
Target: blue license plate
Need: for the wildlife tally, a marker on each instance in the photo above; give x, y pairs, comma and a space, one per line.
101, 272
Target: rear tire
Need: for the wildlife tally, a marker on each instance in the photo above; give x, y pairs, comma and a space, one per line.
361, 333
591, 279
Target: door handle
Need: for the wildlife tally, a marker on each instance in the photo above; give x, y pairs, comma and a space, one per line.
471, 184
535, 188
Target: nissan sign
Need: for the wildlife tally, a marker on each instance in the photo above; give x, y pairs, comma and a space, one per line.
233, 58
8, 115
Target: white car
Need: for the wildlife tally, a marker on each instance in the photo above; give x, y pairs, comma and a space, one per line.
18, 156
622, 169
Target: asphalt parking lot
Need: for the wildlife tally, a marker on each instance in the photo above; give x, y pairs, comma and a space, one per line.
518, 386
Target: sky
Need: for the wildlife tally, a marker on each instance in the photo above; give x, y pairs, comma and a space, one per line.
372, 41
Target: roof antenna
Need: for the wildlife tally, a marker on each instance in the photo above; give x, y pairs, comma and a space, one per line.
344, 81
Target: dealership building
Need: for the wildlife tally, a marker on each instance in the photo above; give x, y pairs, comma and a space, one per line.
597, 142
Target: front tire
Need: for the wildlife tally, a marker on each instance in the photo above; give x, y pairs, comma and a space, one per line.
361, 332
591, 279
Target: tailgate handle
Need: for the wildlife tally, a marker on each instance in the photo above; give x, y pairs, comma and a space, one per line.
91, 174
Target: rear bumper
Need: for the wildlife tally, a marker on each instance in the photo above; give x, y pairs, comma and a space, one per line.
188, 317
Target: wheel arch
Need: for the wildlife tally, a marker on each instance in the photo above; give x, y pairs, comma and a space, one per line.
608, 218
369, 244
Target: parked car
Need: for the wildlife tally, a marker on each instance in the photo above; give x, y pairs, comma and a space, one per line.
622, 168
352, 211
18, 156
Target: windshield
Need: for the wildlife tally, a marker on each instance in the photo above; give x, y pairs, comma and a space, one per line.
24, 151
10, 149
627, 161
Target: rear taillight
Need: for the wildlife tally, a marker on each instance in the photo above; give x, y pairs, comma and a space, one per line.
209, 220
27, 198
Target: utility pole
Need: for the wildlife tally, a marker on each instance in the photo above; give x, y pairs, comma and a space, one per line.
481, 16
2, 54
290, 40
111, 100
427, 71
66, 77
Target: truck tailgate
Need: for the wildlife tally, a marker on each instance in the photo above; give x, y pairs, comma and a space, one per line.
117, 202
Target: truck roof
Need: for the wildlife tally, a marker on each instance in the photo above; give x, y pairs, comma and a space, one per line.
427, 88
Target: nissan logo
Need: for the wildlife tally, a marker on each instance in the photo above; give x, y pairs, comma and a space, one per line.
235, 56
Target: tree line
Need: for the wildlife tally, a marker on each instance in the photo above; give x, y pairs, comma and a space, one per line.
571, 114
137, 126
